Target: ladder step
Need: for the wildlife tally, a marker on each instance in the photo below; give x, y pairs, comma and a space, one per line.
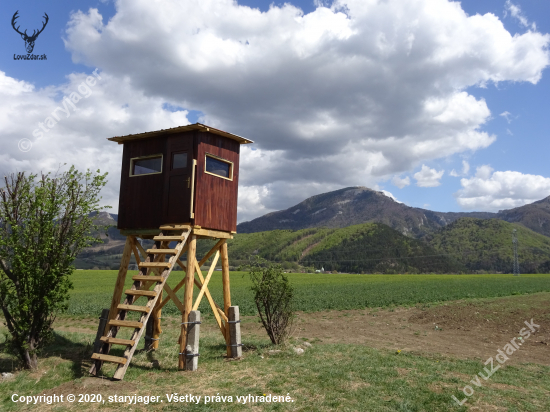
162, 251
126, 324
168, 238
147, 278
134, 308
154, 265
150, 293
117, 341
109, 358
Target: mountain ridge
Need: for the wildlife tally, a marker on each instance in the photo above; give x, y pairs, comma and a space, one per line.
535, 216
356, 205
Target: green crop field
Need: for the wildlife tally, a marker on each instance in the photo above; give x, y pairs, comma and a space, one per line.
316, 292
326, 377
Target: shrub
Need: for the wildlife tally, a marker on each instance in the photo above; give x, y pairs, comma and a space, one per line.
45, 221
273, 296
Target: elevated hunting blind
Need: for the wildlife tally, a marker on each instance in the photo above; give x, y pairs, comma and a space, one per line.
186, 174
177, 185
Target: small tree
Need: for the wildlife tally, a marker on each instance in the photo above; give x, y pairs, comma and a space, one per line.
44, 224
273, 297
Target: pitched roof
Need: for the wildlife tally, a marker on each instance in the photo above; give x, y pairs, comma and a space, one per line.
195, 126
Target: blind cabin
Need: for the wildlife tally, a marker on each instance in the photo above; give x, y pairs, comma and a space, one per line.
186, 174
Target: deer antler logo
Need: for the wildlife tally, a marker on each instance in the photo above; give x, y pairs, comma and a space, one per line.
29, 40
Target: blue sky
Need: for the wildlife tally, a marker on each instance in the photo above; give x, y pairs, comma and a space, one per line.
444, 105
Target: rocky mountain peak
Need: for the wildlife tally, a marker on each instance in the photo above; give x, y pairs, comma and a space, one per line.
359, 204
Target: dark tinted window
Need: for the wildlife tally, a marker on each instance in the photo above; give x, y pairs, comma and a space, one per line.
179, 160
147, 166
218, 167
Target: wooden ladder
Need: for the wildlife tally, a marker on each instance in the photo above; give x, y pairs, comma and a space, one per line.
142, 282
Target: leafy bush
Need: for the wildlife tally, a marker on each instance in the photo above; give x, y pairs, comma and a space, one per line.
273, 297
45, 221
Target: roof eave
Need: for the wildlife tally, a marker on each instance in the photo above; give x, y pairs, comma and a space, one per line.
195, 126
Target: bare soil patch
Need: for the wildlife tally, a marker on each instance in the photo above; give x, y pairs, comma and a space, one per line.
463, 329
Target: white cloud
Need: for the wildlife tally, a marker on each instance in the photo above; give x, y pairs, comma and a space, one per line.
391, 196
507, 116
465, 167
465, 170
493, 191
428, 177
343, 96
515, 11
401, 183
484, 172
250, 198
79, 135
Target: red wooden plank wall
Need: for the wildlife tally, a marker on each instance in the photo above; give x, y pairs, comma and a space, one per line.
215, 197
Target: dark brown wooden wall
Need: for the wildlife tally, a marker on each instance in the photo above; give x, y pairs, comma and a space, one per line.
140, 202
216, 198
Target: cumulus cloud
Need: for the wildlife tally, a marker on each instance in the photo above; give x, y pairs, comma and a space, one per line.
428, 177
346, 95
465, 170
250, 198
401, 182
492, 191
484, 172
71, 123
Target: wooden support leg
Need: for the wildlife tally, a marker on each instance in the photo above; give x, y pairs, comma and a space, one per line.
156, 330
121, 278
100, 330
147, 341
226, 293
153, 330
235, 332
192, 348
187, 298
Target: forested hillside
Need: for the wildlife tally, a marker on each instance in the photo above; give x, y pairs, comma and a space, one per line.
487, 245
365, 248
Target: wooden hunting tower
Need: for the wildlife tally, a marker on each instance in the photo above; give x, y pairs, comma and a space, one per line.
187, 174
177, 185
